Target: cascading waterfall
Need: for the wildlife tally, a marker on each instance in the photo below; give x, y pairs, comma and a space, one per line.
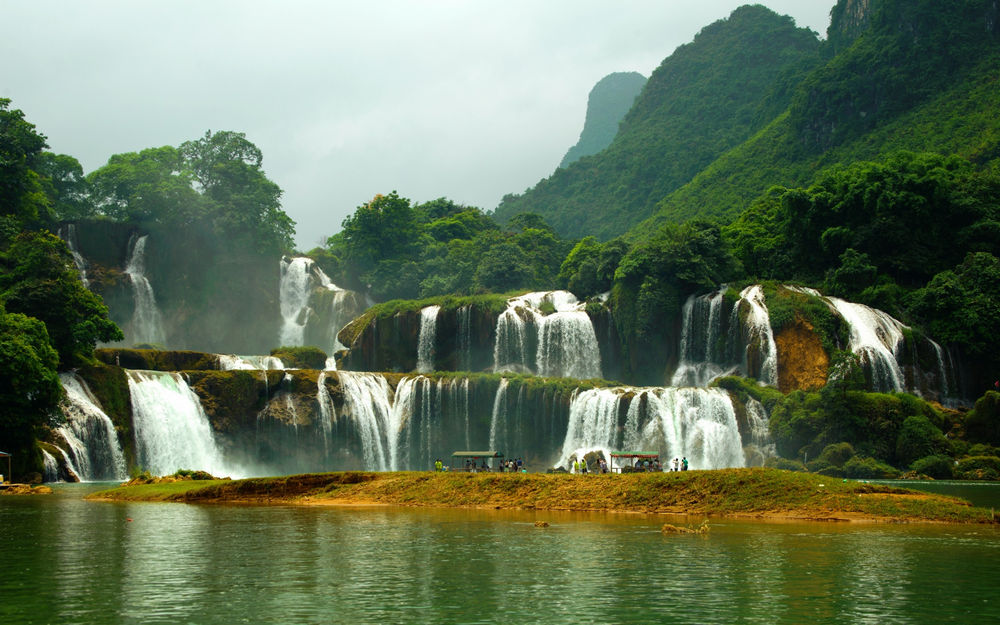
68, 234
327, 413
593, 424
171, 429
230, 362
759, 334
465, 338
293, 294
565, 342
701, 359
147, 323
368, 403
875, 338
94, 451
696, 423
50, 467
761, 446
426, 338
498, 420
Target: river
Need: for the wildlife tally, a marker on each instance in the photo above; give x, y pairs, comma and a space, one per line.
66, 560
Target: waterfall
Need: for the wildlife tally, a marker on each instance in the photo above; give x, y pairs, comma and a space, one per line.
593, 424
761, 445
368, 403
68, 234
759, 336
345, 307
327, 413
498, 420
229, 362
94, 451
875, 338
464, 338
51, 467
171, 429
147, 323
701, 359
426, 338
696, 423
564, 340
293, 294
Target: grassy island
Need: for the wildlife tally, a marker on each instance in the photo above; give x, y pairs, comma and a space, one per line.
743, 493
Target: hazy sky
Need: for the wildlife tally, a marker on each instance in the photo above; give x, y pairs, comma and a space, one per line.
465, 99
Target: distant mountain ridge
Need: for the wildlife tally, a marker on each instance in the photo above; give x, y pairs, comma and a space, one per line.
707, 97
754, 102
608, 102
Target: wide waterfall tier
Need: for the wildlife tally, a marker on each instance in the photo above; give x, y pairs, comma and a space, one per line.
313, 308
717, 339
171, 429
88, 438
146, 325
699, 424
548, 334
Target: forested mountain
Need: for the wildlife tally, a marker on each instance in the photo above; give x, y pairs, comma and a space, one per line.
608, 102
707, 97
919, 76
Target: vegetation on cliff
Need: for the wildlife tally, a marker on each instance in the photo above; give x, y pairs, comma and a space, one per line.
755, 493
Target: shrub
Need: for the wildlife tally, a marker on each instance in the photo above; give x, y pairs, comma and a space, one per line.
777, 462
978, 468
982, 424
937, 467
301, 357
868, 468
919, 438
837, 454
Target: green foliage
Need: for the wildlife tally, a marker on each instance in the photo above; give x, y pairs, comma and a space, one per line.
938, 467
806, 423
978, 468
38, 279
868, 469
23, 202
215, 183
706, 98
29, 385
917, 439
777, 462
295, 357
959, 305
982, 423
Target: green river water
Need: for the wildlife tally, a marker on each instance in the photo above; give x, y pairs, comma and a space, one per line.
65, 560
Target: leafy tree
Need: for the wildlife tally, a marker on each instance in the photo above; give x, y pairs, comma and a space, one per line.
918, 438
64, 182
147, 187
29, 385
386, 228
245, 205
38, 279
503, 268
23, 201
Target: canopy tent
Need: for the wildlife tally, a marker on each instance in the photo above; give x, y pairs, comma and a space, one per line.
474, 456
626, 459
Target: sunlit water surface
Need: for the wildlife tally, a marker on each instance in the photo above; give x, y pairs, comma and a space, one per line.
64, 560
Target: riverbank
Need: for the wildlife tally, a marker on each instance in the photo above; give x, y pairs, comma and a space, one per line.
741, 493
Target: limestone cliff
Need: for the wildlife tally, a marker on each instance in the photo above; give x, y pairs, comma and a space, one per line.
803, 363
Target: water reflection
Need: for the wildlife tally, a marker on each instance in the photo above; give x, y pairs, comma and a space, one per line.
84, 562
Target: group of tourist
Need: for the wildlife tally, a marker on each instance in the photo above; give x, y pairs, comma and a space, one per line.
580, 466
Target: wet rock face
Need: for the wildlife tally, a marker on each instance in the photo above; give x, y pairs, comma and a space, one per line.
803, 363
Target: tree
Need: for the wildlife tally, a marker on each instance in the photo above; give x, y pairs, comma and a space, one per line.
147, 187
245, 206
66, 186
38, 279
23, 201
29, 385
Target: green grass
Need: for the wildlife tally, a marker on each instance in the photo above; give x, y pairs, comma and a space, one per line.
760, 493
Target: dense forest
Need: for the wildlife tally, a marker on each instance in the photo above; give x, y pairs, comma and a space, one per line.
865, 165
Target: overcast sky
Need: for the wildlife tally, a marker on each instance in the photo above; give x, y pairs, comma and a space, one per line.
464, 99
